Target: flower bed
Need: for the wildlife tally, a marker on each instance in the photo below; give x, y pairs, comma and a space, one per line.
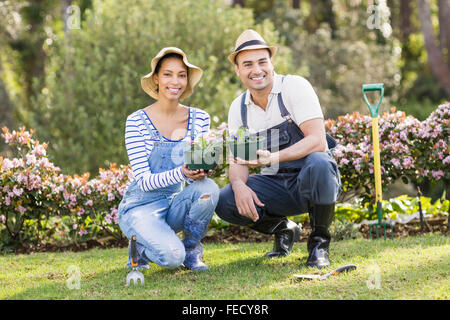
39, 204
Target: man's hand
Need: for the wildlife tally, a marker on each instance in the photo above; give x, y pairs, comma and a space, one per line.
246, 199
266, 158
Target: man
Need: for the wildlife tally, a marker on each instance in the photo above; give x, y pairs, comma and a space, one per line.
298, 172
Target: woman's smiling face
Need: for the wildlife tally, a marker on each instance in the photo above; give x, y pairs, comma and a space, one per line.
172, 78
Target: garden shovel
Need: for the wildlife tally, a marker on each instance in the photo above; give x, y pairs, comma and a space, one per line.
376, 156
134, 275
345, 268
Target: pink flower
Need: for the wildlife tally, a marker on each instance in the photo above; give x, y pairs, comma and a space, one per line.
89, 203
31, 159
22, 178
75, 226
395, 162
17, 192
7, 164
437, 174
8, 138
39, 150
21, 209
407, 163
111, 197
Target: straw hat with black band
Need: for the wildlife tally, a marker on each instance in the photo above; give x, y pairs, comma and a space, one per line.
194, 74
250, 40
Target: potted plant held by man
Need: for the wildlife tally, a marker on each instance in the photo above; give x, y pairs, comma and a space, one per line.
244, 144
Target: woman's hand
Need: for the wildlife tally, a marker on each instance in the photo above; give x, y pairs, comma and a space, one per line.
195, 174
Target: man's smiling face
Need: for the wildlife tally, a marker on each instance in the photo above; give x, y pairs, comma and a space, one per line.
255, 69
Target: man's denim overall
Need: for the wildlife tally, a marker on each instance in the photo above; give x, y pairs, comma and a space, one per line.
290, 189
156, 216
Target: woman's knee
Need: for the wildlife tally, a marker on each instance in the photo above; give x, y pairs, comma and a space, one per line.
208, 191
171, 257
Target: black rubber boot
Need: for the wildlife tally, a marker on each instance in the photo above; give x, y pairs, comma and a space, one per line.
286, 233
320, 217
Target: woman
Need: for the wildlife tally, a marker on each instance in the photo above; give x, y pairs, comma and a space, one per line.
156, 204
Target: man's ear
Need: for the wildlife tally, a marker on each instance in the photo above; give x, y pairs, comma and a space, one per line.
236, 69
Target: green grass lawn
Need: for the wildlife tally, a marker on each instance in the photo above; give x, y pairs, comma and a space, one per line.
404, 268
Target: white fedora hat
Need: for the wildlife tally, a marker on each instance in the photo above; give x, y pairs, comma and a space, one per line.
250, 40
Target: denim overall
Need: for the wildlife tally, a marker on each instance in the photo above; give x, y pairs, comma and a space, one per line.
289, 188
155, 217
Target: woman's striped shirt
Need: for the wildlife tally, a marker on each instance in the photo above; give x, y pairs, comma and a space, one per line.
139, 144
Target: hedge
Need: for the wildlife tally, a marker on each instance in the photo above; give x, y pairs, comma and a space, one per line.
39, 204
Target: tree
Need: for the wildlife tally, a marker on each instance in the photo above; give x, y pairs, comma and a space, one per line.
438, 67
405, 18
444, 28
26, 40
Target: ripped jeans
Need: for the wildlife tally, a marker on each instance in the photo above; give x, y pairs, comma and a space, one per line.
157, 223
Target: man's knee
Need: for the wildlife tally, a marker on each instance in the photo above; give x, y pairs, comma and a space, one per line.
319, 161
227, 210
320, 179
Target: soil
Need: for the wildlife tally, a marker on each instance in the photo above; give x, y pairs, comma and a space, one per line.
237, 234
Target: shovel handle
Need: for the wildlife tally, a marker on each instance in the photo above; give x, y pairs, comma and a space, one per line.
133, 252
373, 87
348, 267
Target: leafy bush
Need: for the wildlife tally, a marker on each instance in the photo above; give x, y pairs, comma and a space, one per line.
405, 205
39, 204
409, 149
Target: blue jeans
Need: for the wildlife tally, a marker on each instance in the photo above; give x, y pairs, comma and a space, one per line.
156, 224
287, 194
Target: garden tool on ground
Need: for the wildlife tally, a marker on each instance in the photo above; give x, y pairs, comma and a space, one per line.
422, 220
345, 268
376, 155
134, 275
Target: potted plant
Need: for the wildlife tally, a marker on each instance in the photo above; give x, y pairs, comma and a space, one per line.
204, 152
243, 144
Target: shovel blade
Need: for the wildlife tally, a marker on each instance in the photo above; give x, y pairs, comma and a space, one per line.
307, 276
